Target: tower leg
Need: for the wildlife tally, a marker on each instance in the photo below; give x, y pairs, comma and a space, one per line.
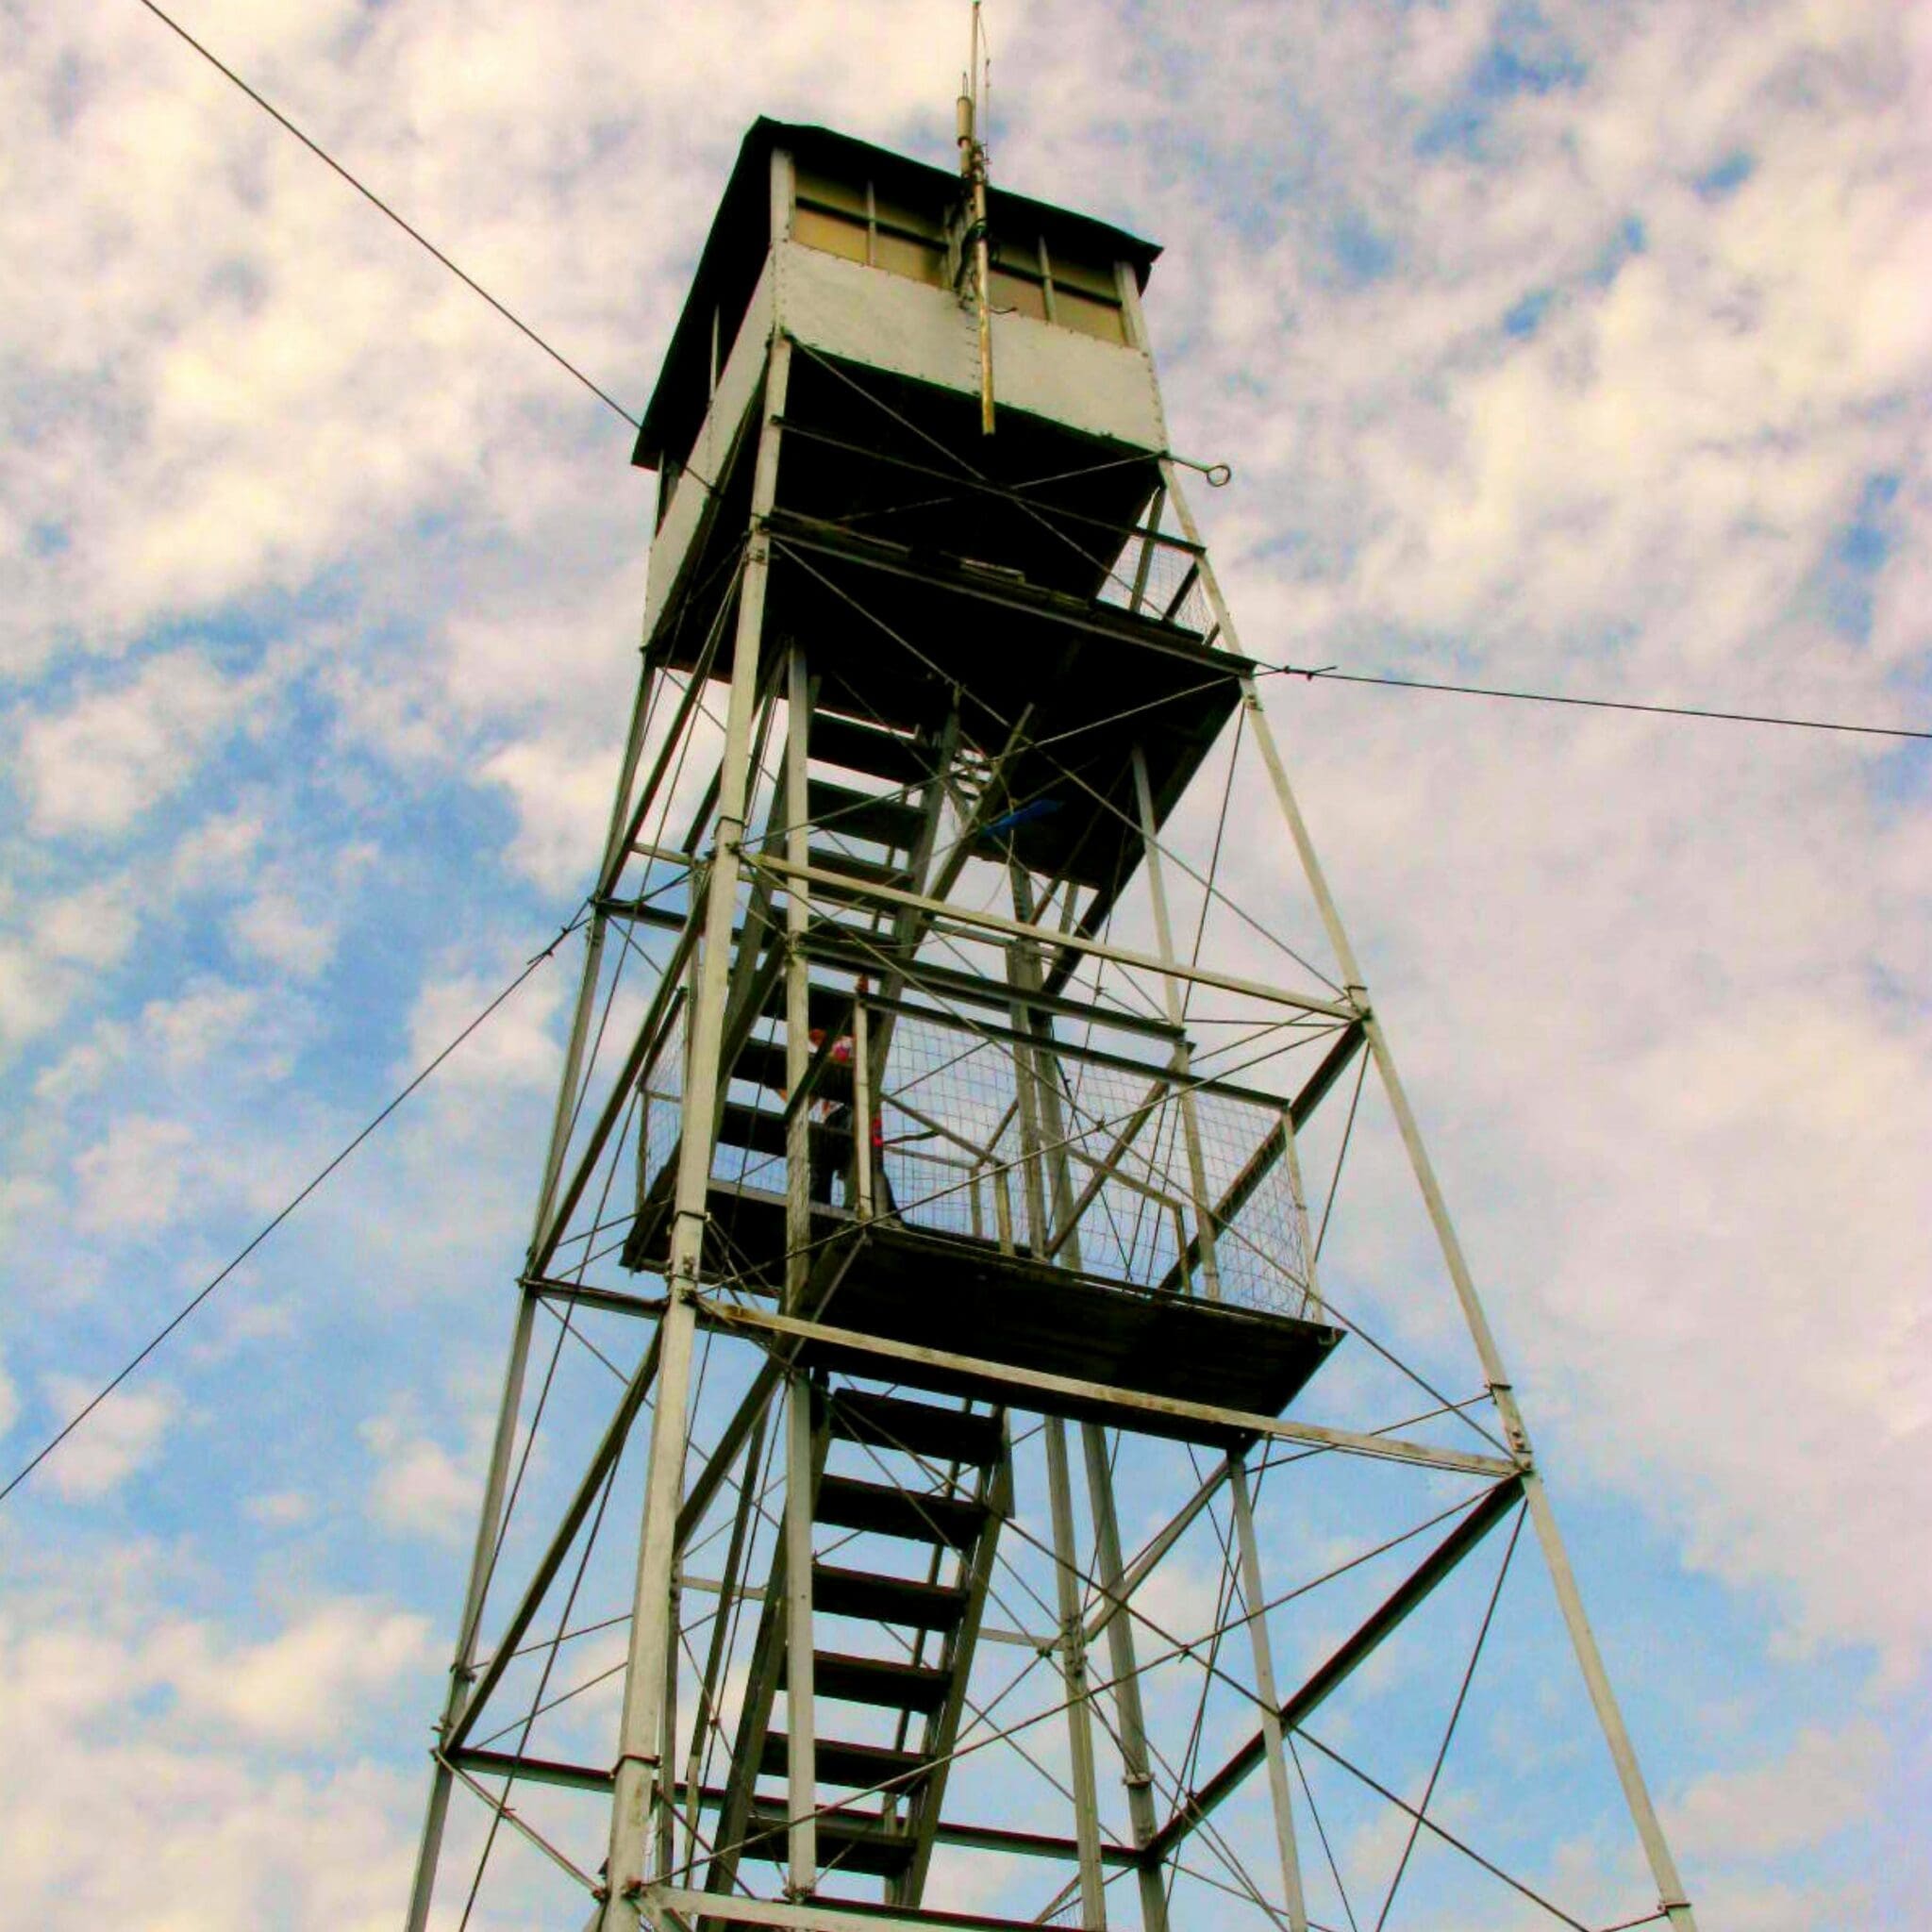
1190, 1119
1609, 1716
1270, 1694
639, 1770
1073, 1671
800, 1735
429, 1847
1124, 1666
1032, 1090
1602, 1699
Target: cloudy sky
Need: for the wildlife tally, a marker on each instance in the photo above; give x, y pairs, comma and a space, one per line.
1581, 348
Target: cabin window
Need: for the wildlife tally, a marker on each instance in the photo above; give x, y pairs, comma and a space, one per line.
1090, 315
852, 220
1022, 293
1028, 279
1081, 295
837, 234
914, 256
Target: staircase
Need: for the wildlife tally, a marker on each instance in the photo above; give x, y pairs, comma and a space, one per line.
879, 839
915, 1597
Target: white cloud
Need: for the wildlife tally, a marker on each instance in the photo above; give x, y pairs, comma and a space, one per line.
83, 1067
104, 1704
32, 996
92, 927
514, 1048
280, 1509
131, 1181
562, 797
1825, 1781
25, 1200
10, 1400
294, 1684
216, 852
119, 1436
276, 926
419, 1488
210, 1020
61, 944
293, 921
204, 1021
98, 765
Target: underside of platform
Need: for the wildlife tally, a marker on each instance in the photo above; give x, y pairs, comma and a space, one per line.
963, 1297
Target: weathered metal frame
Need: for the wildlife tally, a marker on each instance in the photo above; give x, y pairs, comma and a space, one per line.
723, 961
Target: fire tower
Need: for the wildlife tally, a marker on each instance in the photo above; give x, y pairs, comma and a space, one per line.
923, 1282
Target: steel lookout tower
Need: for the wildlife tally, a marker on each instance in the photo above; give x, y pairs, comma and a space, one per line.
973, 1425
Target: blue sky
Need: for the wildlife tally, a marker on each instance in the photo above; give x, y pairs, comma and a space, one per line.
1583, 347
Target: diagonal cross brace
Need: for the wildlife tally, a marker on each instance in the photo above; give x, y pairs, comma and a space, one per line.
1240, 1190
1380, 1625
609, 1449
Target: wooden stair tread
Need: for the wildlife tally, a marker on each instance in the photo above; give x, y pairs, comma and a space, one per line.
859, 1767
943, 1432
846, 1503
837, 1673
855, 1844
888, 822
836, 740
761, 1062
840, 1592
762, 1130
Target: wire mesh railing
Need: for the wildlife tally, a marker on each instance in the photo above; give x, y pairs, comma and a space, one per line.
1130, 1171
1094, 1163
1160, 577
660, 1102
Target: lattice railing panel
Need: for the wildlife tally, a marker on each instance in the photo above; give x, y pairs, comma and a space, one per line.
952, 1113
1165, 573
660, 1102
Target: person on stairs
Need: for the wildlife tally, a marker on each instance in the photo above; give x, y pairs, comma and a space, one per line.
834, 1117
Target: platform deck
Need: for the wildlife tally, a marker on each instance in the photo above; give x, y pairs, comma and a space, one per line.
963, 1297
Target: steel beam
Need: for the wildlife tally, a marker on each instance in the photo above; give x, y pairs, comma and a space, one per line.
609, 1449
855, 953
801, 1748
1202, 1246
1113, 1602
1038, 1384
978, 1838
1263, 1652
482, 1565
1073, 1656
639, 1770
1030, 1087
994, 923
1137, 1768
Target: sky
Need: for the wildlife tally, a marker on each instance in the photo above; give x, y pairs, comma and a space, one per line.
1580, 348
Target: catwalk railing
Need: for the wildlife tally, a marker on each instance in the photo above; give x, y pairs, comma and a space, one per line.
1056, 1150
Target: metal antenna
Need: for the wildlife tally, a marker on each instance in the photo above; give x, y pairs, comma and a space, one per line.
975, 81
